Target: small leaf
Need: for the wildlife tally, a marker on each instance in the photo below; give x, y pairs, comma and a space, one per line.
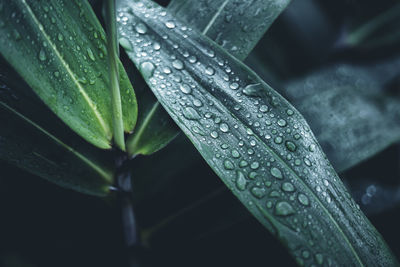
59, 48
27, 145
256, 142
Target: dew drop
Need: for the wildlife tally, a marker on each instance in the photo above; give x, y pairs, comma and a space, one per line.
287, 187
210, 71
255, 165
156, 46
90, 54
60, 37
228, 164
243, 164
177, 64
234, 86
278, 140
42, 55
214, 134
303, 199
190, 113
141, 28
56, 74
185, 88
264, 108
289, 112
240, 181
258, 192
125, 44
276, 173
235, 154
147, 69
197, 103
307, 162
319, 258
170, 24
283, 208
224, 127
282, 123
290, 146
253, 89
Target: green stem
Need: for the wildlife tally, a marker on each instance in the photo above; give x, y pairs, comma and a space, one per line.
360, 34
112, 49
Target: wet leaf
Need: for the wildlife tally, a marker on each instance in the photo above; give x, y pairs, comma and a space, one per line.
253, 18
257, 143
59, 49
350, 115
28, 141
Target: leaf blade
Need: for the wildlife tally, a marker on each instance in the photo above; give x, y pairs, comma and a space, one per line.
254, 164
63, 59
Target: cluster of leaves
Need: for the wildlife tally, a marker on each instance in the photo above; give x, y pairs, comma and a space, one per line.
267, 145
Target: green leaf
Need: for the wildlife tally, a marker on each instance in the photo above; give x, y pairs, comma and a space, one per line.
155, 128
235, 25
257, 143
253, 18
28, 145
346, 109
59, 49
379, 31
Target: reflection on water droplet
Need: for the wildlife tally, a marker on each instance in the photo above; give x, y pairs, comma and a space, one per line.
240, 181
147, 69
170, 24
264, 108
224, 127
290, 146
141, 28
276, 173
90, 54
253, 90
210, 71
42, 55
282, 123
234, 86
283, 208
125, 43
278, 140
287, 187
258, 192
190, 113
185, 88
177, 64
228, 164
303, 199
214, 134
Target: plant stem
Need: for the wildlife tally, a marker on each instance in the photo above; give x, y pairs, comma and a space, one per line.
360, 34
113, 52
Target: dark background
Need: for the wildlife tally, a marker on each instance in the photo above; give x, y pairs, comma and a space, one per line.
45, 225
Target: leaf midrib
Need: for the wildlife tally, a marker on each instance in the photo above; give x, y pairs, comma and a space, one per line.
82, 91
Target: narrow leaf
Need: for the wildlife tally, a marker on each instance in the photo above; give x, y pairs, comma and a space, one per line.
112, 49
350, 116
257, 143
253, 18
28, 145
59, 48
235, 25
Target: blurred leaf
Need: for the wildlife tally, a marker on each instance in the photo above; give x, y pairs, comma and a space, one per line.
27, 145
257, 143
379, 31
346, 109
59, 48
253, 18
235, 25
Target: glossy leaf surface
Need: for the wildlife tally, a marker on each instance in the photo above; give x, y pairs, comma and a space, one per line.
257, 143
59, 49
254, 19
